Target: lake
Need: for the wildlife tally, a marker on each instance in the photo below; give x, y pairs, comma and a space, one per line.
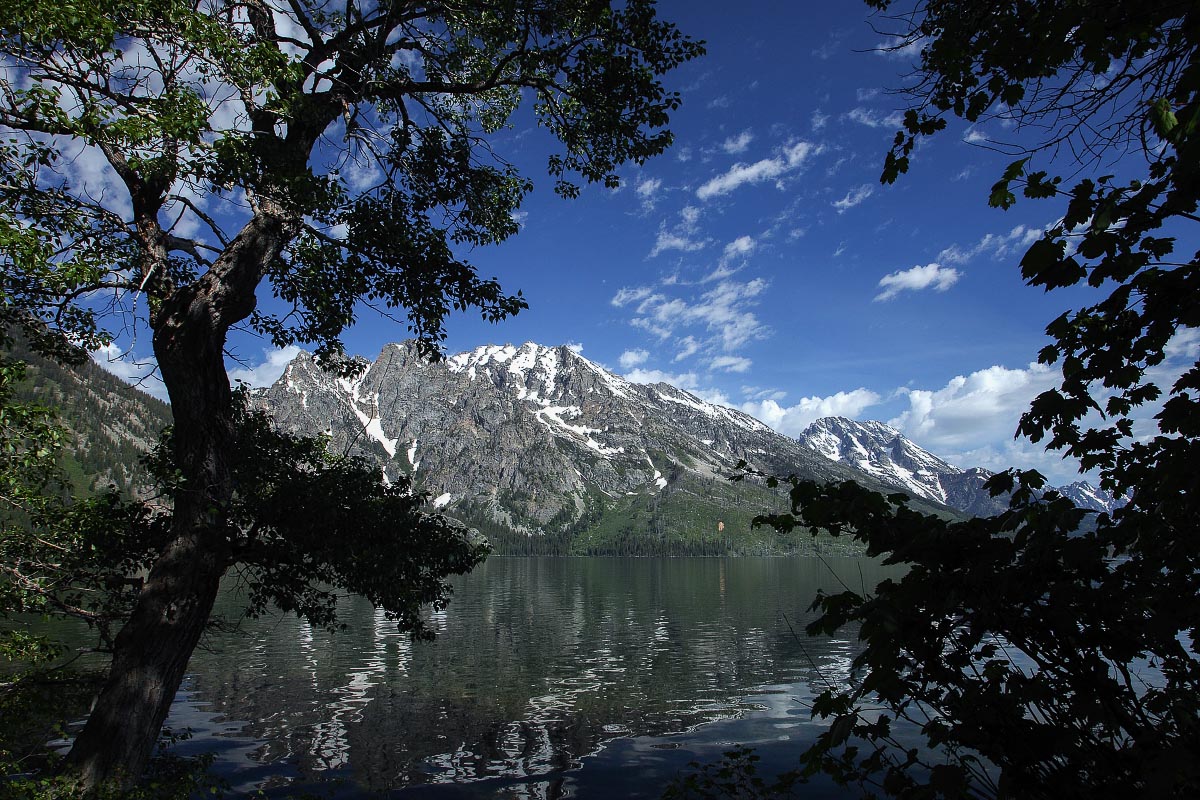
550, 677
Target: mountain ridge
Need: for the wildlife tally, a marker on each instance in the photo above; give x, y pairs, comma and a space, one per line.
885, 453
111, 422
543, 441
543, 449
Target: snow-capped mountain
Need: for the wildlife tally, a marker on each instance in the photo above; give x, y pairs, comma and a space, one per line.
541, 440
882, 452
1084, 495
887, 455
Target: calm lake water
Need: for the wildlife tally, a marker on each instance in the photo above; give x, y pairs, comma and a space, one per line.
554, 677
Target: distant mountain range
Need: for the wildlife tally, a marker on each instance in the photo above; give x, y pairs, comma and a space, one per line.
544, 450
548, 451
884, 453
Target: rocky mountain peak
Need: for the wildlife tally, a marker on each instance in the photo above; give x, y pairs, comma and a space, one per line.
537, 439
881, 451
893, 459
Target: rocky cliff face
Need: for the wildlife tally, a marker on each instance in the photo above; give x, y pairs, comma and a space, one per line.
891, 458
1084, 495
536, 438
882, 452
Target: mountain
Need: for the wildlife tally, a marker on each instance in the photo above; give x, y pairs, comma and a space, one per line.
888, 456
546, 451
112, 423
1084, 495
882, 452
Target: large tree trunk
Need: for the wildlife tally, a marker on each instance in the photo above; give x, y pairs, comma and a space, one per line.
153, 648
152, 653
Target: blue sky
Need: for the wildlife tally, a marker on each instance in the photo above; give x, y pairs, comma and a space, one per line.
760, 262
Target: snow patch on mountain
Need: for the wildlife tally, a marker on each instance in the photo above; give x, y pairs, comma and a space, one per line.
373, 428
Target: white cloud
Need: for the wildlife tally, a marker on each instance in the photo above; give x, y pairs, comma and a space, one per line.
737, 250
737, 144
670, 240
730, 363
972, 420
1018, 453
688, 346
875, 119
819, 120
647, 188
997, 245
931, 275
685, 380
756, 393
140, 372
661, 332
901, 48
741, 246
575, 347
632, 358
625, 295
792, 420
684, 236
268, 371
1184, 345
854, 197
89, 175
789, 159
360, 173
723, 311
865, 95
975, 411
647, 191
714, 396
975, 136
721, 101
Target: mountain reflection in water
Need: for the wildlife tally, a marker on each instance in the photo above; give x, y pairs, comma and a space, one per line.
585, 677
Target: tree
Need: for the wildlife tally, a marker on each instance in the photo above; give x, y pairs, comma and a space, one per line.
339, 155
1039, 658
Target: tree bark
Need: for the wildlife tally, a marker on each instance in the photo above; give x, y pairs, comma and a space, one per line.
153, 648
